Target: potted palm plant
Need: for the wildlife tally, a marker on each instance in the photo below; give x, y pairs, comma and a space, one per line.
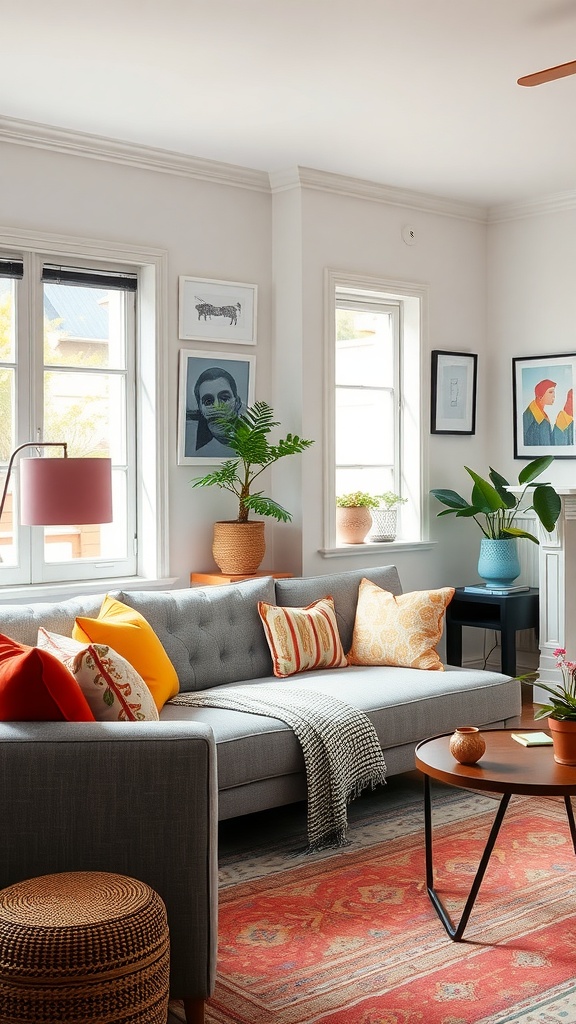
353, 516
494, 507
561, 710
385, 517
239, 545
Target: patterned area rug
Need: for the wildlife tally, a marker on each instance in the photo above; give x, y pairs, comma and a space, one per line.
350, 936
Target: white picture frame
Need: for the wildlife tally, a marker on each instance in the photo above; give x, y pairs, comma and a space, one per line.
204, 379
223, 311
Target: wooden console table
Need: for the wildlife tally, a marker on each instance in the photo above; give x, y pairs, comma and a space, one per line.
216, 579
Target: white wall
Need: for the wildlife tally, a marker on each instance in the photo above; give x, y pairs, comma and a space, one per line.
532, 312
208, 230
283, 242
449, 257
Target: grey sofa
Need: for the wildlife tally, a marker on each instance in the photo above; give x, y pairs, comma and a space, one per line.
144, 798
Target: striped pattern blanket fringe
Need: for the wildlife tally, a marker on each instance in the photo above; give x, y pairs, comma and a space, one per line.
339, 744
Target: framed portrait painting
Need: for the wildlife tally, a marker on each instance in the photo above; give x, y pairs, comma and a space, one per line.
543, 398
217, 310
210, 385
453, 398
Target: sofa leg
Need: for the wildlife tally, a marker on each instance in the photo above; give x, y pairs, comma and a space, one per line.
194, 1010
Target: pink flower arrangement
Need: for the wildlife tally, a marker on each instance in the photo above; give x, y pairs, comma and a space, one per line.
563, 703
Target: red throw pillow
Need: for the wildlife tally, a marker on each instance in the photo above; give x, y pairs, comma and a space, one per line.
36, 687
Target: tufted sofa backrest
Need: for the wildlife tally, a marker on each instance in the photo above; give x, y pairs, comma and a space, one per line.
21, 621
343, 587
212, 635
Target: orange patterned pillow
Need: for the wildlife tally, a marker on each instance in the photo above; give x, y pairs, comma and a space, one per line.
301, 639
401, 631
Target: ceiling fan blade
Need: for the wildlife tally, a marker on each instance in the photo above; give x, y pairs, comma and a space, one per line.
550, 74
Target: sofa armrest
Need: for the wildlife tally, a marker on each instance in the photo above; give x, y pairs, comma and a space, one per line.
138, 798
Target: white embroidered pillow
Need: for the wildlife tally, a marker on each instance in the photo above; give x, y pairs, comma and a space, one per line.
113, 688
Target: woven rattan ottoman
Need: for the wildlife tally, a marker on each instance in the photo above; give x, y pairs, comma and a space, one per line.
83, 947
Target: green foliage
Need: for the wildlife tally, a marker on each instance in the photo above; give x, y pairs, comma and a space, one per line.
499, 507
247, 436
390, 500
357, 499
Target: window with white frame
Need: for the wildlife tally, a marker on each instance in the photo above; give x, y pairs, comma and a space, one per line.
373, 440
67, 374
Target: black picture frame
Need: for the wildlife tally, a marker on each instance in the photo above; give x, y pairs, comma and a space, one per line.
453, 392
542, 397
196, 444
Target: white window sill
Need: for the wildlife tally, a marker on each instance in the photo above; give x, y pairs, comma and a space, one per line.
345, 550
73, 588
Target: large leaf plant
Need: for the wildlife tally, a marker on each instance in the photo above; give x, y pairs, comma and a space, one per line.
247, 436
494, 507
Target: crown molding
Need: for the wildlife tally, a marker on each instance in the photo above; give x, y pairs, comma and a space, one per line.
555, 203
148, 158
327, 181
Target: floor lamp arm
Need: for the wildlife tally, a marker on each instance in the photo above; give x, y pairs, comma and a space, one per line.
27, 444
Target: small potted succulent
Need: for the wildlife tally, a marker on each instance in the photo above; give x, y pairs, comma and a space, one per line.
385, 517
561, 710
353, 516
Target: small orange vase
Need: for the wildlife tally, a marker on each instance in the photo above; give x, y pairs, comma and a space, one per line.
564, 740
467, 745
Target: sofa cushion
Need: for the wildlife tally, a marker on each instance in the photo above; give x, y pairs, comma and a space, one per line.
115, 691
127, 632
212, 635
36, 687
342, 587
400, 630
404, 705
301, 639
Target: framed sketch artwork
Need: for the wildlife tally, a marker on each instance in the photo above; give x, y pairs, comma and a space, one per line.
209, 385
453, 398
543, 398
217, 310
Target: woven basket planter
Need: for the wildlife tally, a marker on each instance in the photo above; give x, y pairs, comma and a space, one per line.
238, 548
83, 947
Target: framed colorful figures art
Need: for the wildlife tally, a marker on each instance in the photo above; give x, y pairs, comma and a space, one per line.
543, 396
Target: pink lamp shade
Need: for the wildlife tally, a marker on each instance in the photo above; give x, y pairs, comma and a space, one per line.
65, 492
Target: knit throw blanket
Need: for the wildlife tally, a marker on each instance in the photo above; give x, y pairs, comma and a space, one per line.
339, 744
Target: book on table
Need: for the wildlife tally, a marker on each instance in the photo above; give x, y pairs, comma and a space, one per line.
532, 739
483, 588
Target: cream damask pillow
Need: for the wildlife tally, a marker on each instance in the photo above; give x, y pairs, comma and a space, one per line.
114, 690
301, 639
401, 631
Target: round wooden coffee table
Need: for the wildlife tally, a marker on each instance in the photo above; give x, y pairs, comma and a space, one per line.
506, 767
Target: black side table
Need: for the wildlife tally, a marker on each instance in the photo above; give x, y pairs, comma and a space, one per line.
507, 614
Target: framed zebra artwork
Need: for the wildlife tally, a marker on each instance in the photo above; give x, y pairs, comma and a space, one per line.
217, 311
210, 385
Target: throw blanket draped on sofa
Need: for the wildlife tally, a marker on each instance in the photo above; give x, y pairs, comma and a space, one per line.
339, 745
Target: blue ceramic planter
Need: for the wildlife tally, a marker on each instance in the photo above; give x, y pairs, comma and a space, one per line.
498, 564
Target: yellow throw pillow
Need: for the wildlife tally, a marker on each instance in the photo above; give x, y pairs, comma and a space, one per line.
301, 639
401, 631
127, 632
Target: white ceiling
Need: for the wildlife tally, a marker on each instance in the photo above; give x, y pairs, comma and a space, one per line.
418, 94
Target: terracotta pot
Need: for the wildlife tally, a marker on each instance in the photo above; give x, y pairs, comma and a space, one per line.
564, 740
467, 745
353, 524
238, 548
